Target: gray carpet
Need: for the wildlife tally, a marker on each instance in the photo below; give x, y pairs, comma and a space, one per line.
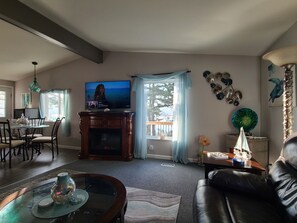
148, 174
144, 206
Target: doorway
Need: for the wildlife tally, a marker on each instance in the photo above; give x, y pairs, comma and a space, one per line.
6, 102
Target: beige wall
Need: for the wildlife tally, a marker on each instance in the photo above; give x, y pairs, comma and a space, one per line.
207, 115
7, 83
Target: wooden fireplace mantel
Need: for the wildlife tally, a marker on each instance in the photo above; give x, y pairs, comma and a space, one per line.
107, 120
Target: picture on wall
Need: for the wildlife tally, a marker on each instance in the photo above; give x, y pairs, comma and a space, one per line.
276, 85
25, 100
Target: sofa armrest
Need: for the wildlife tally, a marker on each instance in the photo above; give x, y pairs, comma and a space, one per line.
243, 182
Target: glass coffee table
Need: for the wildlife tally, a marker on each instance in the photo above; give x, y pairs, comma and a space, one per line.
106, 202
211, 163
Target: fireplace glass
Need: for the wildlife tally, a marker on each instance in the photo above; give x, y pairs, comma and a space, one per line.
105, 141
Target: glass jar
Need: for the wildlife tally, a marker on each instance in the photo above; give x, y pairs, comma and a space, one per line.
200, 155
62, 190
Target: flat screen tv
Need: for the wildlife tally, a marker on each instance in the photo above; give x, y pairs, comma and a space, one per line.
107, 94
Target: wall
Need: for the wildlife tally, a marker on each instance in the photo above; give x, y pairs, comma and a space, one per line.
7, 83
272, 121
207, 115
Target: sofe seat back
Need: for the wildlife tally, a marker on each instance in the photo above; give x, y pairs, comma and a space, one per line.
283, 176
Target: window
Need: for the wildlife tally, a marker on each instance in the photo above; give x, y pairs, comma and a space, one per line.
159, 109
53, 105
179, 138
2, 103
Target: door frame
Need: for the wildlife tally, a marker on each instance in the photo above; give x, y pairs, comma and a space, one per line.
12, 98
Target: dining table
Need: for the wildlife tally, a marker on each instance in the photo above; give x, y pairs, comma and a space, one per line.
27, 126
20, 131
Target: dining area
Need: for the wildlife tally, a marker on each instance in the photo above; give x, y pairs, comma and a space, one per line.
26, 137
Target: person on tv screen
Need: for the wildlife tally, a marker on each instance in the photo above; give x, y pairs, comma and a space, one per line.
100, 96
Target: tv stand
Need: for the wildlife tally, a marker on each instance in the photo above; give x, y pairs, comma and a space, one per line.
106, 135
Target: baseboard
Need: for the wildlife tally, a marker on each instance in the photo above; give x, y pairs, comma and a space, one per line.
154, 156
162, 157
193, 160
70, 147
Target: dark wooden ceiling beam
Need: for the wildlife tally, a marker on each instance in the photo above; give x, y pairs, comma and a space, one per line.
26, 18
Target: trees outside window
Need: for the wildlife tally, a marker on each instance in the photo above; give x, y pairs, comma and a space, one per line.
159, 109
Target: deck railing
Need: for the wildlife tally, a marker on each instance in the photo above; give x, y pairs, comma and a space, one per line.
161, 130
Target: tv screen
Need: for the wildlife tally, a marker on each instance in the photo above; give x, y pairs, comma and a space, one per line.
107, 94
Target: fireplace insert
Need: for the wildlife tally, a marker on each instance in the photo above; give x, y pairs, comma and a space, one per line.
105, 141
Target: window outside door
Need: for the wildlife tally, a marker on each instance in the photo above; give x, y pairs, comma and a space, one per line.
5, 102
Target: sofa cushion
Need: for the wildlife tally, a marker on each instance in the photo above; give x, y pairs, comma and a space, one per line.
209, 204
246, 209
212, 204
284, 180
243, 182
290, 150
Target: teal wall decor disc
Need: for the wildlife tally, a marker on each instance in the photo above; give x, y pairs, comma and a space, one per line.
246, 118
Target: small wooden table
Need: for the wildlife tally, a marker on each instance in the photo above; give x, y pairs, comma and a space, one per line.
211, 163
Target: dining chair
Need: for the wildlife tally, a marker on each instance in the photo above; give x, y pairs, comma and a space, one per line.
39, 142
7, 142
30, 133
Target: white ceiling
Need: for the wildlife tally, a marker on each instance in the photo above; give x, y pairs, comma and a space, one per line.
221, 27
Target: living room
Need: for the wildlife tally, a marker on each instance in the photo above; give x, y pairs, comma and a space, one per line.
208, 116
248, 74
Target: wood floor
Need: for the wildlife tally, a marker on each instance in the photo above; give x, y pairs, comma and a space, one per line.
25, 169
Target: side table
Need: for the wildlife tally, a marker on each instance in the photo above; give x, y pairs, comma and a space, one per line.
211, 163
258, 145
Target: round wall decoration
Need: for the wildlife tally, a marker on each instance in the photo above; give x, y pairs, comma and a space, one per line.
246, 118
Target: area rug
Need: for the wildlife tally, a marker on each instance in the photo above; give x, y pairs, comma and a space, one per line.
143, 205
151, 206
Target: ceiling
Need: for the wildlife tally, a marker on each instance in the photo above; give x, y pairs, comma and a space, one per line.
219, 27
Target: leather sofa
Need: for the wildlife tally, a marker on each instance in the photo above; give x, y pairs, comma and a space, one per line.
232, 196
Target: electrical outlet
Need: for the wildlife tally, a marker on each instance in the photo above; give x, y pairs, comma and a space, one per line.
151, 147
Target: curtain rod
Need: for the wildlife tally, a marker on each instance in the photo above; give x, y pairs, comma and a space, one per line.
55, 89
133, 76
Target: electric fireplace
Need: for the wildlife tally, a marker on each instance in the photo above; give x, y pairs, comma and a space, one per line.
105, 141
106, 135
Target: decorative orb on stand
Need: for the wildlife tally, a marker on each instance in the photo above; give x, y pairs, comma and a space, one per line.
63, 189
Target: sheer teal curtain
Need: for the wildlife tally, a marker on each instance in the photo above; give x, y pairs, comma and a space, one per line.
140, 143
182, 84
66, 129
64, 111
42, 105
180, 139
